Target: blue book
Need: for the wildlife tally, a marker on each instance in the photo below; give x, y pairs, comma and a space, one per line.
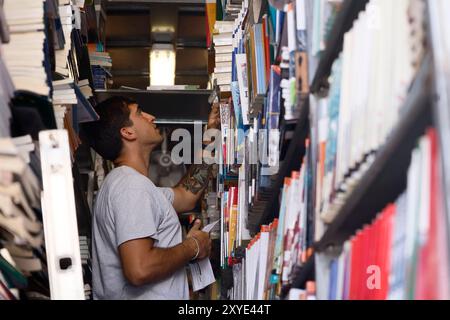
333, 115
235, 93
273, 110
85, 111
333, 279
233, 64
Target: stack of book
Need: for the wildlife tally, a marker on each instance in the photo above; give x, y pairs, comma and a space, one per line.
63, 99
101, 64
223, 44
24, 55
85, 88
72, 107
232, 9
22, 259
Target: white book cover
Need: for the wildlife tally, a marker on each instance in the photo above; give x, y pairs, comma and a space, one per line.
226, 64
222, 70
262, 263
241, 66
220, 49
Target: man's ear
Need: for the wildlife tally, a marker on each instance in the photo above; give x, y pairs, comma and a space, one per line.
128, 133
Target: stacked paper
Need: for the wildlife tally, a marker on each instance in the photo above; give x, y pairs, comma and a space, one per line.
67, 22
101, 63
24, 54
223, 40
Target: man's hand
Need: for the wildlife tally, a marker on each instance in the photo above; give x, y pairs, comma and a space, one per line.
203, 239
214, 117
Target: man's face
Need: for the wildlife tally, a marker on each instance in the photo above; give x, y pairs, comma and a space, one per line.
144, 124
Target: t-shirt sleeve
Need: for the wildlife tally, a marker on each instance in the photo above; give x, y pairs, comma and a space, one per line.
136, 215
168, 193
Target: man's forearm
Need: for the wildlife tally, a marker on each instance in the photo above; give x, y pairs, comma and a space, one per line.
161, 263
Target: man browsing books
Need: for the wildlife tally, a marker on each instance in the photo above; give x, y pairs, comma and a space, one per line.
138, 250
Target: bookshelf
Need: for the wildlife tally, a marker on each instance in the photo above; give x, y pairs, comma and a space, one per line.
441, 112
168, 106
64, 28
296, 150
387, 175
379, 176
344, 22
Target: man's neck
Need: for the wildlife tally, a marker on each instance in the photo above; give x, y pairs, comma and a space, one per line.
138, 161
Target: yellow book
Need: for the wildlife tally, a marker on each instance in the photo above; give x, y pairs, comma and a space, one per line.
210, 19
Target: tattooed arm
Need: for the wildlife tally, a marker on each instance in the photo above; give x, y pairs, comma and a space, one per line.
191, 187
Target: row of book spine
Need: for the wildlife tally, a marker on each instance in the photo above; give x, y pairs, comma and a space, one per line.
404, 253
251, 148
369, 86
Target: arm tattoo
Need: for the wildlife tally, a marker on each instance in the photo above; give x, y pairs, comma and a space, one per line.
197, 178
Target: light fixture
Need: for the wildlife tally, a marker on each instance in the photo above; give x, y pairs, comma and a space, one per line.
162, 65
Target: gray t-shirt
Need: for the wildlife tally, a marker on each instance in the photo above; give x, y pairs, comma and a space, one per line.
129, 206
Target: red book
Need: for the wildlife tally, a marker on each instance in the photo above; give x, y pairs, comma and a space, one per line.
433, 277
381, 251
388, 224
368, 248
362, 275
355, 266
377, 251
371, 259
351, 270
265, 25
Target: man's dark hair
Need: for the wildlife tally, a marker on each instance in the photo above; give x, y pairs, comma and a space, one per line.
104, 135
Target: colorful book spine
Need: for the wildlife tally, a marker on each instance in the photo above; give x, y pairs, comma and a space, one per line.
403, 253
